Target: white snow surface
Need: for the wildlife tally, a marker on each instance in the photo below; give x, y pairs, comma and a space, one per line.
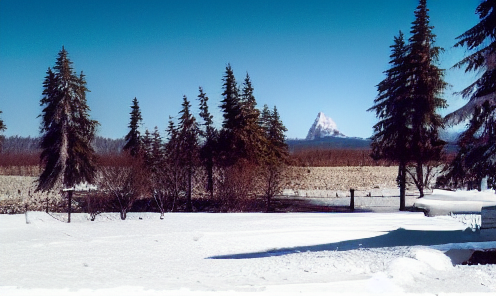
442, 202
240, 254
323, 126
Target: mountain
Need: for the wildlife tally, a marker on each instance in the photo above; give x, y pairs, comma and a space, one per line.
322, 127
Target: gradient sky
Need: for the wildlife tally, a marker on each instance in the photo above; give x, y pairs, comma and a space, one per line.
302, 56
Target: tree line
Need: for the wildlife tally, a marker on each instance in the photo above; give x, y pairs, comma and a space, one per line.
240, 161
411, 95
31, 145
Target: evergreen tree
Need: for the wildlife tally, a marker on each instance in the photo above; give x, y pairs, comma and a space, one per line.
174, 171
475, 158
230, 104
133, 140
2, 128
2, 125
426, 84
275, 152
393, 108
67, 131
231, 111
189, 147
250, 132
209, 134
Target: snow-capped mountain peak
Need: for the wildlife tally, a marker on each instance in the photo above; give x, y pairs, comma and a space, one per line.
323, 126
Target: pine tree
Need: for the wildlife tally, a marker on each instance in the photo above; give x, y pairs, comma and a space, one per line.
67, 131
427, 85
393, 109
477, 147
209, 134
189, 147
133, 140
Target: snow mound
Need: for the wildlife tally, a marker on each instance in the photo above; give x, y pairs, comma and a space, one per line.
420, 263
443, 202
434, 258
323, 126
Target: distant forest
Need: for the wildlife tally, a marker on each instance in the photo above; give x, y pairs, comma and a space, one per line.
21, 145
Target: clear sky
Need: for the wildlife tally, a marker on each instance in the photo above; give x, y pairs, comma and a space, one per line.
303, 56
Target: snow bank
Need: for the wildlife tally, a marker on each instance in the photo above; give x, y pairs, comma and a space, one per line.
442, 202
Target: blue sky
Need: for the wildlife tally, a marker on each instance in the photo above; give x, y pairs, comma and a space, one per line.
302, 56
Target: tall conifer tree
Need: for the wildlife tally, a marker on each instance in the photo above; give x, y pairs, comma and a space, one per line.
393, 107
133, 139
231, 111
209, 134
67, 131
189, 148
427, 85
250, 132
2, 128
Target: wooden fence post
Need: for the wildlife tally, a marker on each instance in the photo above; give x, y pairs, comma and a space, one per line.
352, 200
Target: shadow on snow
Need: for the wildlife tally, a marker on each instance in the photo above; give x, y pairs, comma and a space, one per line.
396, 238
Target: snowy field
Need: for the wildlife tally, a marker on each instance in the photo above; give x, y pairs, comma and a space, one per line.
242, 254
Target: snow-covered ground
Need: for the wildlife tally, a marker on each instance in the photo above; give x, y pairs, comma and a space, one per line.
241, 254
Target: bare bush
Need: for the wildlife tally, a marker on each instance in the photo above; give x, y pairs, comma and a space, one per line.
124, 182
236, 185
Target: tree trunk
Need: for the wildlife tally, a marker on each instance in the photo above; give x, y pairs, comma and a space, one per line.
69, 206
123, 214
402, 180
420, 179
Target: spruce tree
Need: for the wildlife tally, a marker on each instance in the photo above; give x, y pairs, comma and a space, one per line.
174, 170
250, 132
393, 107
477, 146
189, 147
209, 134
2, 125
275, 152
230, 151
427, 85
67, 131
133, 140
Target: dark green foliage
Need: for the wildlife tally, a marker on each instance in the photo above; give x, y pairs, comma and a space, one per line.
393, 107
481, 38
231, 149
477, 145
188, 146
230, 104
2, 128
275, 153
407, 104
477, 151
427, 85
133, 141
250, 133
210, 138
67, 132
